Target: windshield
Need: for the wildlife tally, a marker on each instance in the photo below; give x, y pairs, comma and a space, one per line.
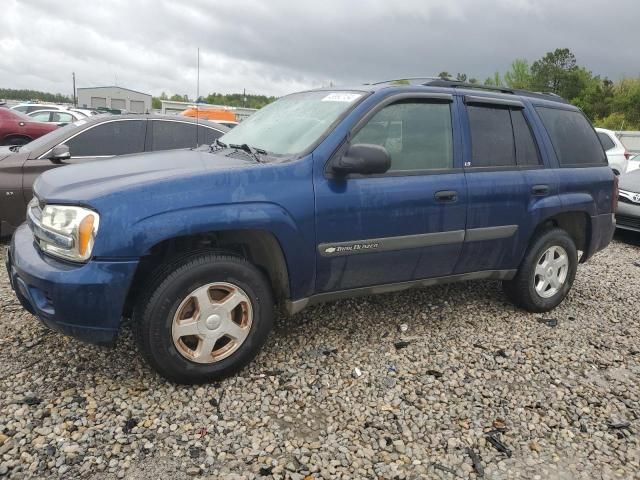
293, 123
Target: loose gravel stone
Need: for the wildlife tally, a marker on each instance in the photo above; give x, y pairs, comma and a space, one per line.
561, 391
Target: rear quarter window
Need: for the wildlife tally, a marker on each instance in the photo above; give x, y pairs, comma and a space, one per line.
574, 139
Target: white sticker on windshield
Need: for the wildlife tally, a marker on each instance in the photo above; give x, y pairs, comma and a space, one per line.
341, 97
79, 123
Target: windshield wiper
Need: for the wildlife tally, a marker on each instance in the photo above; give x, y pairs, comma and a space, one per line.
255, 152
217, 145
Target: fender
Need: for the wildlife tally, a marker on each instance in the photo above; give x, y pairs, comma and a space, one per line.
267, 216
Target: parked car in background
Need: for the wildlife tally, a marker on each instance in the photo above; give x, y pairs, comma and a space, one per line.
16, 128
59, 117
32, 107
628, 211
85, 111
91, 139
617, 154
371, 189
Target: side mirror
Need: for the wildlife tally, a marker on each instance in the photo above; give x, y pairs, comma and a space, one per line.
59, 153
364, 159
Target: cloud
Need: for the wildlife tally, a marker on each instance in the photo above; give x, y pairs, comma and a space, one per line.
281, 46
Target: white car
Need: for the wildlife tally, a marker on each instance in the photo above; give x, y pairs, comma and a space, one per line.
61, 117
85, 111
617, 153
32, 107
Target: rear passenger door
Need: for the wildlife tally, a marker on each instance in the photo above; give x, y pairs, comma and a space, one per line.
505, 175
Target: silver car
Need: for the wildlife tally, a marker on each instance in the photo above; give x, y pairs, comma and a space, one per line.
628, 212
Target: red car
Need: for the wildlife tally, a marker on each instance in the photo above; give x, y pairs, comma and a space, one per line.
16, 128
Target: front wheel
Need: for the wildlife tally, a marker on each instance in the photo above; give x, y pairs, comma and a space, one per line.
204, 318
546, 273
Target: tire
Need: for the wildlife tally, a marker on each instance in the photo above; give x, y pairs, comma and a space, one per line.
10, 141
176, 299
522, 291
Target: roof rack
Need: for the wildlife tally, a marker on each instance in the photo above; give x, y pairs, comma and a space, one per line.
410, 80
449, 83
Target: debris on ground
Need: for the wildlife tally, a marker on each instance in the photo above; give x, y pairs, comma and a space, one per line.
493, 439
549, 322
477, 462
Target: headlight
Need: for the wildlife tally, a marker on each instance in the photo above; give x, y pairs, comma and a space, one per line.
65, 231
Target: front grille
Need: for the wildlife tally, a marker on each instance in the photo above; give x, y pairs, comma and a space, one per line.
625, 200
628, 221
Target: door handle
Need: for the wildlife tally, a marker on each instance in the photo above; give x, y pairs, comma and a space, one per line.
446, 196
540, 190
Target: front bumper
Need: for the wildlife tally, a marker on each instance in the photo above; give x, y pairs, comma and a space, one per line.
628, 216
85, 301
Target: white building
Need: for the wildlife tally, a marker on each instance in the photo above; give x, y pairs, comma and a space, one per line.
114, 97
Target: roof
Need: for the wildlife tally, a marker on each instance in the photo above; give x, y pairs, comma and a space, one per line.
175, 118
452, 86
114, 86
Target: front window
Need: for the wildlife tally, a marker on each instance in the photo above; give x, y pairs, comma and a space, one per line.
293, 123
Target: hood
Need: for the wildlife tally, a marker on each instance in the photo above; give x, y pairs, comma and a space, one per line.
630, 181
77, 183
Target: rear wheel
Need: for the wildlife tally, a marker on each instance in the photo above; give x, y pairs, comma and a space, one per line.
203, 318
546, 273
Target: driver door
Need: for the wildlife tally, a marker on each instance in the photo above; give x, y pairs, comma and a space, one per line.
405, 224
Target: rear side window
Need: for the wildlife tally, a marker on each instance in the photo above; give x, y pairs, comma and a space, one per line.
492, 142
112, 138
168, 135
606, 142
418, 135
573, 138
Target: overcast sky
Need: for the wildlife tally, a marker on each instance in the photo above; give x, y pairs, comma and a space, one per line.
278, 46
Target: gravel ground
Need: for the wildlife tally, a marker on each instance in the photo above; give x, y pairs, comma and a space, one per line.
558, 394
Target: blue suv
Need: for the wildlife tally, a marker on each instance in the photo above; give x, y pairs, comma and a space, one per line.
321, 195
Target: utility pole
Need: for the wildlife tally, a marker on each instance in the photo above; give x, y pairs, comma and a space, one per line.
75, 99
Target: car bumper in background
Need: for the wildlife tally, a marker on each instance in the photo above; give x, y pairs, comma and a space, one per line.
84, 301
628, 216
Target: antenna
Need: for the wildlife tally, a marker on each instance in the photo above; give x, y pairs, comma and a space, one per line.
198, 98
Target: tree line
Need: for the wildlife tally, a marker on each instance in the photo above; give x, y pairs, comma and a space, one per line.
230, 99
13, 94
608, 104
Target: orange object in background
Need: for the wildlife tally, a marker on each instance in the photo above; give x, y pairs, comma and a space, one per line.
213, 114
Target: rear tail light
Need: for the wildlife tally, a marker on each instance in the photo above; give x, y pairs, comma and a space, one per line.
627, 155
614, 196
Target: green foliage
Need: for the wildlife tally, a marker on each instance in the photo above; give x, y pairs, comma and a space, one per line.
27, 95
156, 104
494, 81
238, 100
613, 121
444, 75
401, 82
519, 76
